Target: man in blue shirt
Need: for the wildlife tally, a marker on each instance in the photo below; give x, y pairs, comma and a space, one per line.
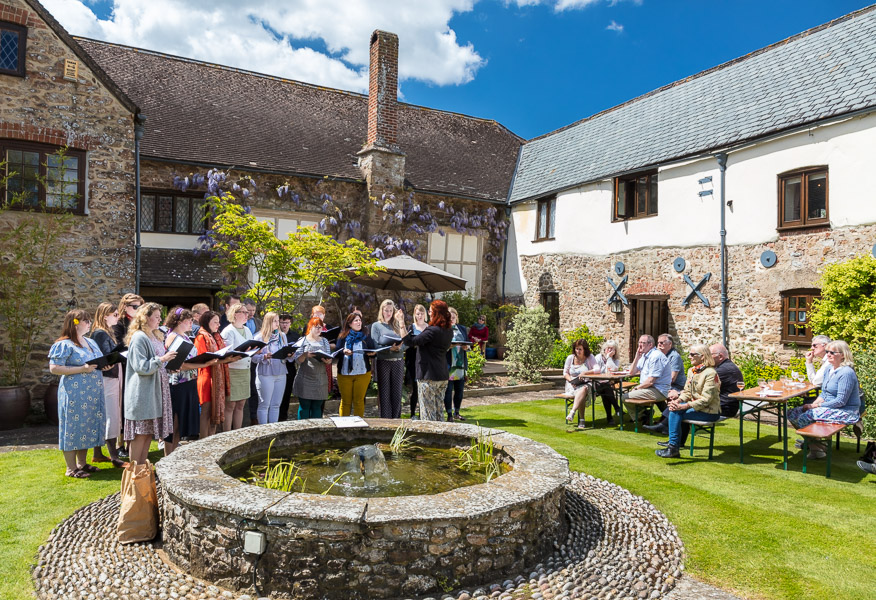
655, 376
666, 345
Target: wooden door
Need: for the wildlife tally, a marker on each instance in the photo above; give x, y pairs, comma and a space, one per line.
648, 316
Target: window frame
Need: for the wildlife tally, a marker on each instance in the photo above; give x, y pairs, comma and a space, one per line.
46, 150
552, 311
22, 48
444, 262
550, 217
810, 294
173, 194
805, 222
652, 183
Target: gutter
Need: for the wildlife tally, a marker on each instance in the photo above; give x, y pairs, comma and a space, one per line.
508, 216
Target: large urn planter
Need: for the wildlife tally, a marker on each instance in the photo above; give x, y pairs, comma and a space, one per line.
14, 406
50, 403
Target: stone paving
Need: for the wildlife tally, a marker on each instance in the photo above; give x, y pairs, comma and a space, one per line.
81, 558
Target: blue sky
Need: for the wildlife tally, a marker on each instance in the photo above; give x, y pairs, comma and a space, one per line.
532, 65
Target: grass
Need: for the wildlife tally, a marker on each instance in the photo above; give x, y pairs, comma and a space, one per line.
753, 529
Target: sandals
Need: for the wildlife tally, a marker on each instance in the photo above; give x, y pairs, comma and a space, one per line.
89, 468
77, 474
118, 463
99, 458
458, 417
569, 417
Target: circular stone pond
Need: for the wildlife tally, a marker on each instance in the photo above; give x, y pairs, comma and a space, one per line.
323, 546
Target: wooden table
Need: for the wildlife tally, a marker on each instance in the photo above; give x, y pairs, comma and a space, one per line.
617, 382
777, 405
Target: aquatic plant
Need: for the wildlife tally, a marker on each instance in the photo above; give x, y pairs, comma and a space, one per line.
282, 476
400, 440
480, 457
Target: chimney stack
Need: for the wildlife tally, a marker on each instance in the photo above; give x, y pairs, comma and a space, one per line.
383, 90
381, 160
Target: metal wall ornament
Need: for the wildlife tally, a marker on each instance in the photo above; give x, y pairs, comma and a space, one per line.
617, 295
874, 250
768, 258
619, 268
695, 290
679, 264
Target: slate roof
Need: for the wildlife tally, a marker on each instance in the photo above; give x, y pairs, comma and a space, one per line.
222, 116
821, 73
167, 267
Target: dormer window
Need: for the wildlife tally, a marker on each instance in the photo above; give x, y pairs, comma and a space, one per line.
635, 196
13, 41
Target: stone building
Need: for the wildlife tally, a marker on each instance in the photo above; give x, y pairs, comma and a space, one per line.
783, 137
53, 94
314, 139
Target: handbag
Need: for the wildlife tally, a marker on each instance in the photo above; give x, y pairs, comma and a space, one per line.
138, 513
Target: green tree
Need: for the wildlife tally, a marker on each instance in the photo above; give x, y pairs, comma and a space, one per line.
847, 307
279, 273
530, 342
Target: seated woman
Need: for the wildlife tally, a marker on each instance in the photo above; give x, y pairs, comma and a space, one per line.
579, 362
840, 399
606, 361
699, 400
479, 333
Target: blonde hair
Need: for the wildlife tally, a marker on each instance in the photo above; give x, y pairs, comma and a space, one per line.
610, 344
139, 323
705, 354
842, 347
104, 309
199, 309
386, 302
232, 312
422, 308
453, 312
268, 325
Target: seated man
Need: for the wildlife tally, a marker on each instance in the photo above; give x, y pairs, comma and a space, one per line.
655, 374
730, 376
819, 343
666, 345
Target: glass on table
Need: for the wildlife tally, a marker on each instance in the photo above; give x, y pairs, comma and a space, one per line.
762, 383
740, 385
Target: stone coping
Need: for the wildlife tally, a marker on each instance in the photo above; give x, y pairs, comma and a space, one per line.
193, 475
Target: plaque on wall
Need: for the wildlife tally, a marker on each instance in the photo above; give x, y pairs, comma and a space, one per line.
619, 268
768, 258
679, 264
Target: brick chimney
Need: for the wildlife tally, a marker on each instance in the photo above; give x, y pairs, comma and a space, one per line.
381, 160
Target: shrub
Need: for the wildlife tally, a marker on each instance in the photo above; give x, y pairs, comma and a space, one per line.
476, 361
847, 307
469, 309
865, 367
530, 342
563, 346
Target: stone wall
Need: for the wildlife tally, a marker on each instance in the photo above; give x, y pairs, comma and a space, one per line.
359, 548
754, 291
83, 114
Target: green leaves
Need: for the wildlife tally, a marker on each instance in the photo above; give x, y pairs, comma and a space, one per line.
530, 342
847, 308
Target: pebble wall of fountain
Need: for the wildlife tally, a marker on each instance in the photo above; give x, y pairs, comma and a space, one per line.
349, 548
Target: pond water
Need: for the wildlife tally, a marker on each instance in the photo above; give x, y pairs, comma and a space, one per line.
413, 471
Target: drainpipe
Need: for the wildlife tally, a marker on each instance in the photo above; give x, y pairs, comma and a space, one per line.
139, 123
722, 165
508, 219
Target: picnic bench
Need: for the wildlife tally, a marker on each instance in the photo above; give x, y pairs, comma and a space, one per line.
822, 430
570, 400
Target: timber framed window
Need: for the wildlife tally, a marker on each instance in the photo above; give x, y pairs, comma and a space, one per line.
635, 196
28, 165
803, 198
546, 219
13, 43
460, 255
173, 212
796, 305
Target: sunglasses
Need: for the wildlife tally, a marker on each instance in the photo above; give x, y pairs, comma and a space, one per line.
134, 306
832, 352
695, 354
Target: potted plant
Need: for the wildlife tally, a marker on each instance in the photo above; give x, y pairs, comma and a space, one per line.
31, 246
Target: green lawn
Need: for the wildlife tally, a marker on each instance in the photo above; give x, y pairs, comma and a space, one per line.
754, 529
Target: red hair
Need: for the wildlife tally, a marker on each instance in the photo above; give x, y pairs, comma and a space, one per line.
440, 314
313, 323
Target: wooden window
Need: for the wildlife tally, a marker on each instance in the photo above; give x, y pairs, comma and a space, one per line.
551, 303
13, 43
41, 178
460, 255
803, 199
796, 305
635, 196
547, 209
172, 212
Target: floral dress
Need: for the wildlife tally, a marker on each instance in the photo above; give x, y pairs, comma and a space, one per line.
161, 427
81, 410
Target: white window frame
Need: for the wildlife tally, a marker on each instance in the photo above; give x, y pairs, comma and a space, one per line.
441, 255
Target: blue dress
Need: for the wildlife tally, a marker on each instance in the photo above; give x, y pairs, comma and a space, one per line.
81, 411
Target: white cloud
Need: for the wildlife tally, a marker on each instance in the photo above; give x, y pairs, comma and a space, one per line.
273, 37
561, 5
614, 26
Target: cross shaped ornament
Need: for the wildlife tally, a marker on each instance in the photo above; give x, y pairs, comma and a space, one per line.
695, 289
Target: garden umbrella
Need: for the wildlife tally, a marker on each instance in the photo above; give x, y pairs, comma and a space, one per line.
403, 273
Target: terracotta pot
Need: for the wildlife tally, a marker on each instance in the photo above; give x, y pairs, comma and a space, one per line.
50, 403
14, 406
500, 352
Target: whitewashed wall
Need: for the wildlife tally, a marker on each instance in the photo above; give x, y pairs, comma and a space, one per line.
583, 215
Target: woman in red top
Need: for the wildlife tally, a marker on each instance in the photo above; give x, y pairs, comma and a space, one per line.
213, 382
479, 333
